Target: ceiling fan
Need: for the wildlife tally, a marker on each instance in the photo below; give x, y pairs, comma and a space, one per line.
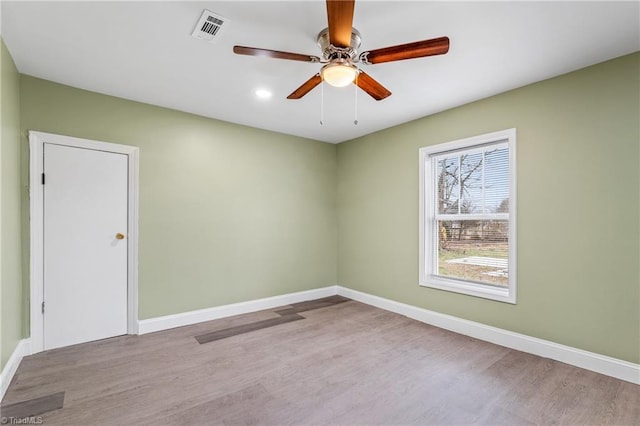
339, 43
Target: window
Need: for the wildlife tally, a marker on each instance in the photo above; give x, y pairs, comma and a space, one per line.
467, 216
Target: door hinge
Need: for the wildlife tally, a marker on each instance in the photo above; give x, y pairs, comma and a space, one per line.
43, 178
43, 307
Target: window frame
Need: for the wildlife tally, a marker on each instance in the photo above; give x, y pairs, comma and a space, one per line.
428, 235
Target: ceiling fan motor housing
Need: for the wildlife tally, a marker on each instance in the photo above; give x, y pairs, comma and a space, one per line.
331, 52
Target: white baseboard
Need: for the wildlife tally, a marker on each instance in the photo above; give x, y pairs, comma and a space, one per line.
193, 317
602, 364
23, 348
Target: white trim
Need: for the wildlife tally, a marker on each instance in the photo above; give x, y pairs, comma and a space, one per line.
36, 167
602, 364
193, 317
598, 363
132, 237
23, 348
428, 215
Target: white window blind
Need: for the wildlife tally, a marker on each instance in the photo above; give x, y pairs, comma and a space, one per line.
473, 183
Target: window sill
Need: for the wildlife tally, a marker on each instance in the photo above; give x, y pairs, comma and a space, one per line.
478, 290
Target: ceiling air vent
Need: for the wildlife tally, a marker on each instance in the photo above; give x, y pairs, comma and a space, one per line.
209, 26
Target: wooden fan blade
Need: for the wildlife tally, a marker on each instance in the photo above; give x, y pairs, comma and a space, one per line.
340, 17
376, 90
418, 49
306, 87
276, 54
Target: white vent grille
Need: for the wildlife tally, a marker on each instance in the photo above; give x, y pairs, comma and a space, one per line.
209, 27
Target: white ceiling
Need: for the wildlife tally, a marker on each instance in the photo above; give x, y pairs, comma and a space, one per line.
144, 51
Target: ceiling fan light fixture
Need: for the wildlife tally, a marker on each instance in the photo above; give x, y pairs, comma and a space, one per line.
339, 73
339, 43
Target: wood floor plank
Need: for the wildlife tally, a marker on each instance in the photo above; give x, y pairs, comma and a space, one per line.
345, 363
313, 304
229, 406
625, 409
33, 407
247, 328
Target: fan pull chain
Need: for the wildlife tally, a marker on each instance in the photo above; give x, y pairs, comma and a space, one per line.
355, 120
322, 103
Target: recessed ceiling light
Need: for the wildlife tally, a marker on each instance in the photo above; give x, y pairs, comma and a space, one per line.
263, 93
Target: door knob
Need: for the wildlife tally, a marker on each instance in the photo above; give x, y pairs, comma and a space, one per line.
120, 236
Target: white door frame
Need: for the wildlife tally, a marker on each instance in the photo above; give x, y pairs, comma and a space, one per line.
36, 193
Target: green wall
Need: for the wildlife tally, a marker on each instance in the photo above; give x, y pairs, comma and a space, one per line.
227, 213
11, 300
578, 209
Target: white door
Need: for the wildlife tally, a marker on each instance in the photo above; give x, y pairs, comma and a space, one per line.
85, 247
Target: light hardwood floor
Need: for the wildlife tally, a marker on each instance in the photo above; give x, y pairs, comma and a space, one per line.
344, 363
